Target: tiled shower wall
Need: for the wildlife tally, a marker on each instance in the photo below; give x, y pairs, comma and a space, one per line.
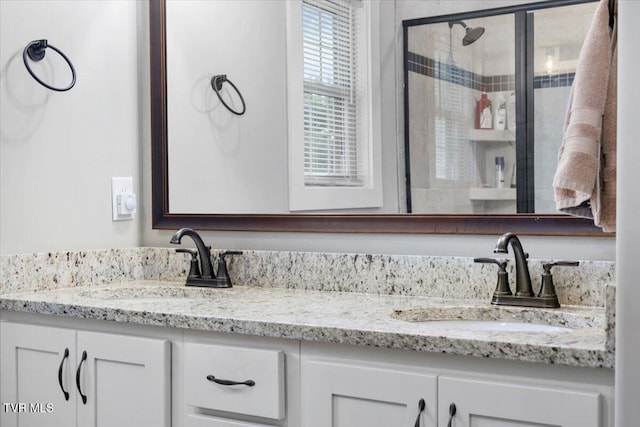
551, 93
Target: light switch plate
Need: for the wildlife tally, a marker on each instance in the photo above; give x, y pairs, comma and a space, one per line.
121, 186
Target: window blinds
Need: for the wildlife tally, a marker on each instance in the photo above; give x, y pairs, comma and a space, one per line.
331, 101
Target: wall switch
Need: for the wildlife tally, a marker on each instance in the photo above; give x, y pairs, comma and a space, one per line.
123, 199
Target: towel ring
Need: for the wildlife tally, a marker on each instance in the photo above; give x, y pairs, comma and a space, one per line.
36, 50
216, 84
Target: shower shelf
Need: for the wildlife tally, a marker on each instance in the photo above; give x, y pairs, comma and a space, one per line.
487, 193
491, 135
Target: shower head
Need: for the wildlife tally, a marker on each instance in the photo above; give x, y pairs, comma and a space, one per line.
471, 34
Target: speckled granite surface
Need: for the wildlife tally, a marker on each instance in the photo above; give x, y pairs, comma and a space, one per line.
375, 300
410, 275
335, 317
440, 277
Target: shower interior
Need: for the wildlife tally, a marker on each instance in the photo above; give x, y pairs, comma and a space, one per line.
451, 165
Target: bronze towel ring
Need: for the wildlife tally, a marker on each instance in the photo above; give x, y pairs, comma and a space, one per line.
36, 50
216, 84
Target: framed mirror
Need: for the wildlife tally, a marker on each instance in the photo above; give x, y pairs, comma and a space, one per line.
168, 62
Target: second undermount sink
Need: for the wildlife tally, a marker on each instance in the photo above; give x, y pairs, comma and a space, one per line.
150, 294
495, 319
495, 326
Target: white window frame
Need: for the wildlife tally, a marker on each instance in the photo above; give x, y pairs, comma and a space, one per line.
304, 197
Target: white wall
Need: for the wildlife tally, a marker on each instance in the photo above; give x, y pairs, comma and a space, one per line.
628, 240
237, 157
58, 151
242, 161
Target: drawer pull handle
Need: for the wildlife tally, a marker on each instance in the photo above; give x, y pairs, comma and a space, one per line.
249, 383
421, 406
83, 396
452, 413
64, 357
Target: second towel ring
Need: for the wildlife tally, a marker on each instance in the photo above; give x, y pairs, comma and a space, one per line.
36, 50
216, 85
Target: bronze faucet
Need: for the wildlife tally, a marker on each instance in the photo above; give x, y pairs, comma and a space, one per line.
524, 295
204, 252
523, 278
204, 276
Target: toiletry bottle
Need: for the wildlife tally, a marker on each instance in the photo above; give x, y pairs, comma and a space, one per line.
483, 112
500, 117
511, 112
499, 172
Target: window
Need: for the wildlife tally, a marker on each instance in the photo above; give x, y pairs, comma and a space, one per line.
333, 143
330, 65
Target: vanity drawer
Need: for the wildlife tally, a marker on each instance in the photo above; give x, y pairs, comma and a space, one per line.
205, 362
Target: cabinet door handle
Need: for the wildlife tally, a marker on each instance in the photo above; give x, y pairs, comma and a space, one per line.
83, 396
421, 406
452, 412
249, 383
66, 393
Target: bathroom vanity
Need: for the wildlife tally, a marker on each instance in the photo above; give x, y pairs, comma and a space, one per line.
161, 354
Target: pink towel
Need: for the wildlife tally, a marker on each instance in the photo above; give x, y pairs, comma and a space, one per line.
585, 180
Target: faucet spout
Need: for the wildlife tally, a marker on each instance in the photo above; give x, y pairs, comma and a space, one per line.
203, 251
523, 278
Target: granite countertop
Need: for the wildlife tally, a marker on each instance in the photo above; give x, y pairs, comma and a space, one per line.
388, 321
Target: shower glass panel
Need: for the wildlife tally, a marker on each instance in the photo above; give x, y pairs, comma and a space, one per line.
555, 58
452, 163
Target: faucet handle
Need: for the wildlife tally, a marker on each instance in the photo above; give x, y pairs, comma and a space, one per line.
193, 252
223, 275
223, 254
548, 265
502, 286
547, 287
194, 270
502, 264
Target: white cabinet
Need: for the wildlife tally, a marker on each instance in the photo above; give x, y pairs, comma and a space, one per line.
239, 380
134, 381
343, 394
355, 388
35, 374
112, 380
233, 380
486, 403
126, 380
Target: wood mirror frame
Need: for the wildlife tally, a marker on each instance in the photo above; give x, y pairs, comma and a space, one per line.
162, 218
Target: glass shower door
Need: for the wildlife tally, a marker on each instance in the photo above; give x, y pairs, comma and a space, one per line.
460, 72
558, 35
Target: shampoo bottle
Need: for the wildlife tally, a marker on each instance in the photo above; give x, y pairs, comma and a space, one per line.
511, 112
499, 172
500, 119
484, 118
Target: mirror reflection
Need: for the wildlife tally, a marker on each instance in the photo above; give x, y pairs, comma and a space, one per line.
485, 105
454, 159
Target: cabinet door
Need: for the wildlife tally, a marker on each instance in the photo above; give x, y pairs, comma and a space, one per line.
482, 403
345, 395
35, 374
126, 381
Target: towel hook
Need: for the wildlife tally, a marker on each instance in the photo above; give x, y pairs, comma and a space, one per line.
216, 84
612, 13
35, 51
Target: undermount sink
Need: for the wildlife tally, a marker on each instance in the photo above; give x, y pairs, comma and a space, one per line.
495, 326
490, 318
146, 294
